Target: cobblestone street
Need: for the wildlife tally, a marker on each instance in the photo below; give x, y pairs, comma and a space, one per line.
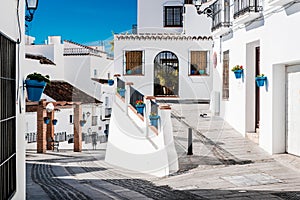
224, 165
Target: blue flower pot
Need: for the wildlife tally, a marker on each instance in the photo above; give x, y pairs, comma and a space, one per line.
260, 81
140, 109
46, 120
82, 123
154, 120
54, 122
110, 82
122, 92
35, 89
201, 71
238, 73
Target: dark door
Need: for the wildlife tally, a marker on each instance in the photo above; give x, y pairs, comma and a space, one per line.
257, 101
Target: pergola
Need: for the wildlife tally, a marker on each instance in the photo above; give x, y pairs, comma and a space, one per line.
46, 131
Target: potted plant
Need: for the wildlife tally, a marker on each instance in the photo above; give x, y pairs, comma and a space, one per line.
35, 85
153, 119
82, 122
260, 80
54, 122
110, 82
121, 91
238, 71
139, 104
46, 120
201, 71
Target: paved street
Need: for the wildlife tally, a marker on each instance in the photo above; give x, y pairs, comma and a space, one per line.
224, 165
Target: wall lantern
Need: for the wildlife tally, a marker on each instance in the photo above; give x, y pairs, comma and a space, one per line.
207, 11
31, 6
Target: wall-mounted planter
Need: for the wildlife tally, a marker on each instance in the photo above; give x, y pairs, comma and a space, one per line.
260, 81
35, 89
238, 73
140, 108
82, 122
110, 82
121, 91
46, 120
154, 120
54, 122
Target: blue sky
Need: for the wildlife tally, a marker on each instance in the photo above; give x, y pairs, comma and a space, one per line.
82, 21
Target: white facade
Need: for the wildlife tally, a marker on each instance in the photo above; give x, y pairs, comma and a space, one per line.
191, 32
274, 30
9, 27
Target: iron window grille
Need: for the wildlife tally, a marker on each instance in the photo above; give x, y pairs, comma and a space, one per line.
221, 14
173, 16
245, 6
7, 118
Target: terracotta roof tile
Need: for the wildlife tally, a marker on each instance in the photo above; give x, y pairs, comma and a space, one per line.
42, 59
64, 91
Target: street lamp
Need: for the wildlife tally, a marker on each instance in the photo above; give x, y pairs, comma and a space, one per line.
31, 6
207, 11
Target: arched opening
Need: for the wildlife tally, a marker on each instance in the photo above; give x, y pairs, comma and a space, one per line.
166, 78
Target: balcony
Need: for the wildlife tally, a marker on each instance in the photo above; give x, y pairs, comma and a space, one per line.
220, 18
279, 2
246, 11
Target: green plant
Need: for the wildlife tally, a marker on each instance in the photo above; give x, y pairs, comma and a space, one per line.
38, 77
153, 114
260, 75
237, 67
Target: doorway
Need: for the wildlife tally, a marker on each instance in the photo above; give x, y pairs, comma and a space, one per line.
166, 79
293, 108
257, 91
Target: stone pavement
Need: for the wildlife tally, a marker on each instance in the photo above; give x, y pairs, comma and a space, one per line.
224, 165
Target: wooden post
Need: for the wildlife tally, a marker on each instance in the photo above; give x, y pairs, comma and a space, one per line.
77, 128
50, 131
41, 127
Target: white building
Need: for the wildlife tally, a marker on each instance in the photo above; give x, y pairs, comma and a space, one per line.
12, 109
263, 37
71, 67
170, 54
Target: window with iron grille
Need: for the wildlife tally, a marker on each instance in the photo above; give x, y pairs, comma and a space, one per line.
245, 6
133, 63
225, 88
221, 15
199, 63
7, 118
173, 16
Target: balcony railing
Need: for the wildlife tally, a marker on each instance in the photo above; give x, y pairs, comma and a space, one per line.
221, 15
134, 96
245, 6
81, 51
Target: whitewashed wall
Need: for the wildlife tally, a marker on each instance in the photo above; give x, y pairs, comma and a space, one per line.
150, 16
9, 27
277, 37
190, 87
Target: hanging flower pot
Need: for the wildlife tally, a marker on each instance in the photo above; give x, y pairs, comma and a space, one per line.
35, 85
140, 107
154, 119
121, 91
260, 80
82, 122
54, 122
110, 82
238, 71
46, 120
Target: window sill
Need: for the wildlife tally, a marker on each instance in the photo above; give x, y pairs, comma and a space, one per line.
196, 75
133, 74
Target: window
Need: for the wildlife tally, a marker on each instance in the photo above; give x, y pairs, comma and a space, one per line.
225, 88
173, 16
133, 63
7, 118
71, 119
199, 63
94, 120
